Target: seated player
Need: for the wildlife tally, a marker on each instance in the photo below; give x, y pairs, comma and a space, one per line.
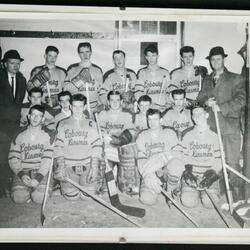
120, 79
189, 76
118, 131
30, 158
53, 86
35, 98
178, 117
156, 163
64, 98
77, 151
203, 162
153, 80
140, 120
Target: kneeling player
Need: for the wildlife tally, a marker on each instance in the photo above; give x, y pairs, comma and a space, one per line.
156, 163
30, 157
203, 159
77, 151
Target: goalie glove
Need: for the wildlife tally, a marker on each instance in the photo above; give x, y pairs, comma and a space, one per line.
209, 177
200, 70
79, 80
39, 79
188, 176
124, 138
60, 171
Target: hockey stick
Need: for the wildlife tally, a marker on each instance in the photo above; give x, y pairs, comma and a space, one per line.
179, 208
217, 208
126, 82
223, 162
88, 101
102, 202
42, 216
49, 95
163, 84
112, 187
238, 174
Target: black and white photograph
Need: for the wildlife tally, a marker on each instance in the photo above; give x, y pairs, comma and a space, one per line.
120, 119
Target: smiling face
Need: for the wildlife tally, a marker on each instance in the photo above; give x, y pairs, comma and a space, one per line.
12, 65
200, 117
36, 118
152, 58
154, 121
188, 58
217, 62
65, 102
85, 54
115, 102
77, 108
119, 60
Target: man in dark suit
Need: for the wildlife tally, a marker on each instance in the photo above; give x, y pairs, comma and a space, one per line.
12, 93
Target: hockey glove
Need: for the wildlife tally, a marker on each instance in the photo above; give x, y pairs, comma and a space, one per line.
124, 138
188, 176
209, 177
60, 171
79, 80
39, 79
200, 70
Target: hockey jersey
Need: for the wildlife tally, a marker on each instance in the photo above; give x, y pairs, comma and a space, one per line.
118, 82
154, 83
55, 84
202, 150
93, 87
114, 122
77, 141
31, 150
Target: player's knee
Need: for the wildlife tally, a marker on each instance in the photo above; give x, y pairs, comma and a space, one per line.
189, 199
148, 198
37, 197
20, 196
206, 202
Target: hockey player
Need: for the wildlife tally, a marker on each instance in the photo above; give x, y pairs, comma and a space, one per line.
120, 79
118, 132
64, 101
57, 77
30, 158
74, 82
153, 80
35, 98
77, 151
140, 120
203, 163
178, 117
156, 163
189, 77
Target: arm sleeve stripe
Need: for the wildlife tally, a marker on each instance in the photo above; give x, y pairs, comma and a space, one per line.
46, 157
13, 157
15, 151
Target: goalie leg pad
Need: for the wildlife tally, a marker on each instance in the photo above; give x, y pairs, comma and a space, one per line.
128, 176
148, 196
189, 196
214, 192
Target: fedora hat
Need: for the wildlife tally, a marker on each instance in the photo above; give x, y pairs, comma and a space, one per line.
12, 54
216, 51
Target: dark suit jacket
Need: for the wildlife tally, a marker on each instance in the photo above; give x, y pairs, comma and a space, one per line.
10, 106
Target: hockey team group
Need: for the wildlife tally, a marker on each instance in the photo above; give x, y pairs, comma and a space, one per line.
153, 131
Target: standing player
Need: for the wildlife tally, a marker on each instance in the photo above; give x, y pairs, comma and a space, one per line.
178, 117
77, 151
189, 77
120, 79
57, 76
153, 80
73, 82
30, 158
140, 120
35, 98
156, 163
203, 163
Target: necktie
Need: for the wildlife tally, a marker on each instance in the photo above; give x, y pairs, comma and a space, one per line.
13, 86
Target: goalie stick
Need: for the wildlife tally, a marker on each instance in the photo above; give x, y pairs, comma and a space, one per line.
112, 187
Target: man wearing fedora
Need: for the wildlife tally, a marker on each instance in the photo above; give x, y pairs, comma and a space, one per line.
12, 93
224, 91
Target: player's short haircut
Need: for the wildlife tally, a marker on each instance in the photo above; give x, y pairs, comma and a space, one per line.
64, 93
114, 92
51, 48
151, 48
199, 106
118, 52
35, 90
40, 108
178, 92
86, 44
153, 112
186, 49
145, 98
78, 97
